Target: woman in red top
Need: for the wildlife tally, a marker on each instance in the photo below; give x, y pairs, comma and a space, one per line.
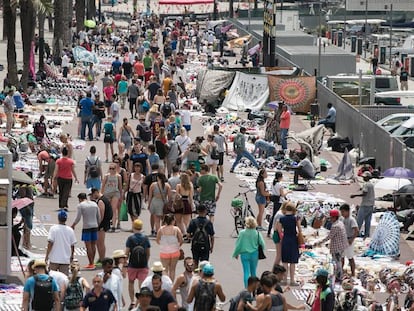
63, 178
108, 91
284, 126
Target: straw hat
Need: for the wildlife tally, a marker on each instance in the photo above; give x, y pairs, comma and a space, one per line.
119, 253
157, 267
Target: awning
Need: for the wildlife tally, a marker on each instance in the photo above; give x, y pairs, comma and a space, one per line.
21, 177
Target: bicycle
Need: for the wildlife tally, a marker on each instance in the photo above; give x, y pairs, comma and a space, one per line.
241, 208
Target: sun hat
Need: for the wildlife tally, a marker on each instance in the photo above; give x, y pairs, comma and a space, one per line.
157, 267
137, 225
208, 269
119, 253
39, 263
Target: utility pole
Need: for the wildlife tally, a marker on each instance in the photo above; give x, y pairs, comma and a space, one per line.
366, 28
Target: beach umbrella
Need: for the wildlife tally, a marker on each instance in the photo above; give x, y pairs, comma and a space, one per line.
22, 202
273, 104
83, 55
398, 172
90, 23
389, 183
404, 196
386, 238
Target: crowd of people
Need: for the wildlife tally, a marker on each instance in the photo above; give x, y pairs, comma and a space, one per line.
157, 166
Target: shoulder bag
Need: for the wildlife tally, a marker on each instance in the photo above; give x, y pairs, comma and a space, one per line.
167, 208
260, 248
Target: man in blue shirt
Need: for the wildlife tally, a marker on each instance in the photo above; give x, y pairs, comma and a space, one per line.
330, 119
86, 107
99, 298
116, 66
29, 295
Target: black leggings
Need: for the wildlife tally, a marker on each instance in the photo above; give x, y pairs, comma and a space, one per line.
132, 102
276, 207
133, 201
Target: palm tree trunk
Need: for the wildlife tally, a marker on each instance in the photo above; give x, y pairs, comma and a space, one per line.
80, 14
9, 22
67, 7
28, 24
41, 18
91, 9
58, 30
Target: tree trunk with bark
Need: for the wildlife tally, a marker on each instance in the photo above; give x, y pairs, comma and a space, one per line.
80, 14
58, 31
41, 19
91, 9
10, 21
67, 9
28, 24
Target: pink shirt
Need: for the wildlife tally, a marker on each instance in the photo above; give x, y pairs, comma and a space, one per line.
285, 120
109, 90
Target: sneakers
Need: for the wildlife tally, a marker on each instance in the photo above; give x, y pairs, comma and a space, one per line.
222, 179
90, 267
231, 170
260, 228
112, 230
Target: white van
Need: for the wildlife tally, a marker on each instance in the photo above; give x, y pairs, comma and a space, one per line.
403, 98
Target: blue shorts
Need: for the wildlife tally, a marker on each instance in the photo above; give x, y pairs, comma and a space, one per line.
260, 199
93, 183
187, 127
89, 235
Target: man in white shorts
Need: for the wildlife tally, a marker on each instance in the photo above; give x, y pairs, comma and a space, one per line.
351, 227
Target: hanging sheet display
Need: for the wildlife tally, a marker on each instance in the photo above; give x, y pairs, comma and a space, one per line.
248, 91
185, 6
211, 83
298, 92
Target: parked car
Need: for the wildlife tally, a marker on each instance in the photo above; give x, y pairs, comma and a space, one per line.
393, 120
403, 98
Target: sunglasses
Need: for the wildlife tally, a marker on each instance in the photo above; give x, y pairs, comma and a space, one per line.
112, 168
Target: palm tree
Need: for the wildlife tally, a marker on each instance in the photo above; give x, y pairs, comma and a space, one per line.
58, 9
28, 24
9, 24
80, 14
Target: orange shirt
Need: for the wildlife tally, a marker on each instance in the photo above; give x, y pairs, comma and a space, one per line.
166, 85
139, 68
65, 168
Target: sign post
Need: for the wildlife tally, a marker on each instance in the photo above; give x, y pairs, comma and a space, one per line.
269, 33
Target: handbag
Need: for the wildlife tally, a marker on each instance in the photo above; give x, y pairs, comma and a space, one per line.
178, 204
301, 239
181, 254
167, 208
260, 248
123, 215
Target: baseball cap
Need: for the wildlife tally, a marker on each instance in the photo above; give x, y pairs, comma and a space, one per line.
201, 265
145, 291
137, 225
208, 269
322, 272
334, 213
62, 216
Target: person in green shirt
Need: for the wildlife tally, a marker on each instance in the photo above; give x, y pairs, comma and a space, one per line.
147, 61
207, 188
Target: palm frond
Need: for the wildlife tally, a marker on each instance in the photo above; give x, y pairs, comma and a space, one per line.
44, 6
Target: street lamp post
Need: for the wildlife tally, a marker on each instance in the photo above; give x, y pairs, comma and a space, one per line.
344, 35
390, 35
319, 39
365, 30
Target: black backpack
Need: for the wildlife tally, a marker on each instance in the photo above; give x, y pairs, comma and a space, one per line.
200, 241
215, 155
93, 170
73, 295
42, 294
144, 132
138, 257
108, 213
166, 110
205, 298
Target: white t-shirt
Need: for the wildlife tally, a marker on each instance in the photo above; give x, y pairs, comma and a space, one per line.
183, 142
65, 61
180, 76
114, 284
166, 283
62, 237
115, 112
185, 117
61, 279
276, 190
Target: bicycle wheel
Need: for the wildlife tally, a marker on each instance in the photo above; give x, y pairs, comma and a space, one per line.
238, 223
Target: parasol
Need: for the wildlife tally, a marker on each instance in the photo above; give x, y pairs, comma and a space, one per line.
22, 202
404, 196
273, 104
386, 238
83, 55
90, 23
399, 172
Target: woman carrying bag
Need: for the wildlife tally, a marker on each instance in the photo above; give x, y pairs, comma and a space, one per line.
247, 246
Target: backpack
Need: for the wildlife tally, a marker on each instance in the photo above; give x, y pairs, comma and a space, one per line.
238, 143
73, 295
138, 257
205, 298
215, 155
42, 294
234, 302
200, 241
145, 106
173, 128
144, 132
166, 110
108, 213
93, 170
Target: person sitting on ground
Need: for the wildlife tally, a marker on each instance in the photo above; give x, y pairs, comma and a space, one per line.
330, 119
305, 168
